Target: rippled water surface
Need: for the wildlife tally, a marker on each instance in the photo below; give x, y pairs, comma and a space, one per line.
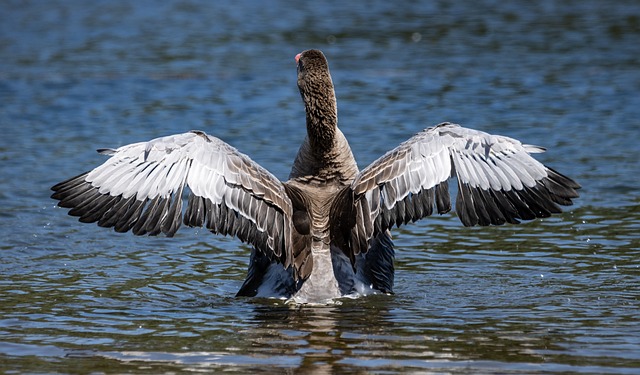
550, 296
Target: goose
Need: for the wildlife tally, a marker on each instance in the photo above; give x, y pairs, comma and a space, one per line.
325, 232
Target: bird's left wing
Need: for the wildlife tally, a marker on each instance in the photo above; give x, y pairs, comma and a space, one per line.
140, 188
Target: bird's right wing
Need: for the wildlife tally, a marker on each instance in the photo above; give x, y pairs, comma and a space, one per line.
498, 181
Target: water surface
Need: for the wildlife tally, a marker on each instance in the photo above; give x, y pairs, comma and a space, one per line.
550, 296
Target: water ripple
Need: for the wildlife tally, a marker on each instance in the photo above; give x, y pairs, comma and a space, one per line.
554, 295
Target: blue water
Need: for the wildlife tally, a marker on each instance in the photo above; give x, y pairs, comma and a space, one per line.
550, 296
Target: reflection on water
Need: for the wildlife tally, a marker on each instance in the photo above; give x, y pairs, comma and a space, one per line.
501, 299
382, 332
555, 295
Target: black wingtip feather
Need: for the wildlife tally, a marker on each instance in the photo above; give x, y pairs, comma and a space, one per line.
129, 217
465, 205
69, 183
171, 223
103, 204
111, 217
443, 198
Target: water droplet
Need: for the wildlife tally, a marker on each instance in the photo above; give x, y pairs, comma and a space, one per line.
416, 37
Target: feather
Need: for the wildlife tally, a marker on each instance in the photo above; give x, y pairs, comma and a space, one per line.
327, 204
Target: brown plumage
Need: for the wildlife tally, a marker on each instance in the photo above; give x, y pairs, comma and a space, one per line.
323, 233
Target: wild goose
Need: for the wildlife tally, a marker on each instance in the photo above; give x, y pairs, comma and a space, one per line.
324, 233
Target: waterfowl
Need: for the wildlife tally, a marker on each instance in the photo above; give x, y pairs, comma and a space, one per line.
325, 232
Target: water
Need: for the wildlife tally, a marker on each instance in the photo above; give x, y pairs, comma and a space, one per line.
550, 296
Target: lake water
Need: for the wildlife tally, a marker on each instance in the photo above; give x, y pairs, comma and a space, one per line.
559, 295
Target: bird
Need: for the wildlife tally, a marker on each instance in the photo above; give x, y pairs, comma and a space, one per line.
325, 233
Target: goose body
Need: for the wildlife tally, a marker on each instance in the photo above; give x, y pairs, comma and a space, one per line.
325, 232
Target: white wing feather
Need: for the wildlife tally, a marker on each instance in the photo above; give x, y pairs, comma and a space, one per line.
498, 181
154, 174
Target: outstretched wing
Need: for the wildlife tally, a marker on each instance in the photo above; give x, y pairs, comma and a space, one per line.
140, 189
498, 182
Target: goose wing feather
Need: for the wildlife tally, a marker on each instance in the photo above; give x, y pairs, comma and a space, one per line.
140, 188
498, 181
